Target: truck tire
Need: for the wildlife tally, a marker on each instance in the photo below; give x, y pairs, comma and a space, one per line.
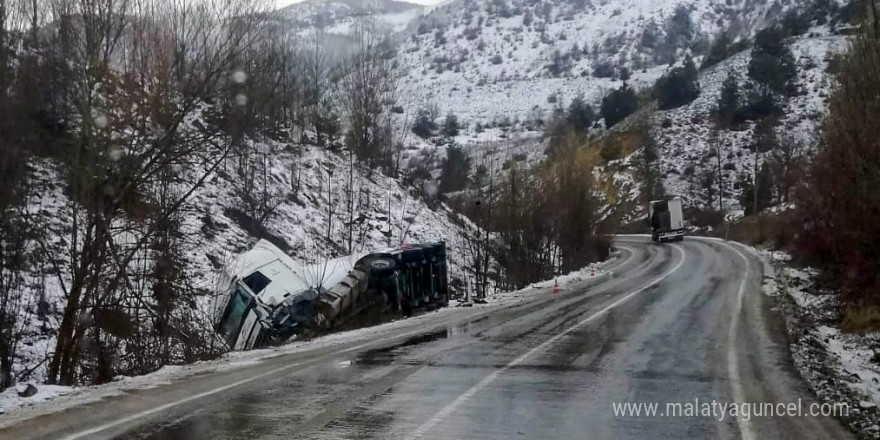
382, 264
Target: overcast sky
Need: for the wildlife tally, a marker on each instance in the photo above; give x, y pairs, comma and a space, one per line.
282, 3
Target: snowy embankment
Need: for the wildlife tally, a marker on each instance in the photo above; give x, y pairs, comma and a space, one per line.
321, 207
594, 271
839, 367
54, 398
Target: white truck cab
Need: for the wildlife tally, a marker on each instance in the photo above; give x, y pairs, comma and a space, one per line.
264, 291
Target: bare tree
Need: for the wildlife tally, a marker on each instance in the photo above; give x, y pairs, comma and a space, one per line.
317, 65
256, 189
367, 88
789, 159
168, 58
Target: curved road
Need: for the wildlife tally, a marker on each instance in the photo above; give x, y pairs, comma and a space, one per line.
677, 322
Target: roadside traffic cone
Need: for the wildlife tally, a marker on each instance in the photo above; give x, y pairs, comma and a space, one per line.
592, 270
555, 286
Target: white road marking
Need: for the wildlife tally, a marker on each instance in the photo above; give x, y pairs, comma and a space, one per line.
141, 414
131, 418
90, 432
739, 394
448, 409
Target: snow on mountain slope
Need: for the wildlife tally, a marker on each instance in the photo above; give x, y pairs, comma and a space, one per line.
385, 213
687, 135
337, 16
504, 58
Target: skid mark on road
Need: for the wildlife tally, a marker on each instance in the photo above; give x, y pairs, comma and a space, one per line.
449, 409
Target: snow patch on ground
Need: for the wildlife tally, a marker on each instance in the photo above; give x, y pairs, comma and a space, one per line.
593, 271
839, 367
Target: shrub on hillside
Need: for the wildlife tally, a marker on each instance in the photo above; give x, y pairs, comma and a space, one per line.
451, 126
424, 125
603, 69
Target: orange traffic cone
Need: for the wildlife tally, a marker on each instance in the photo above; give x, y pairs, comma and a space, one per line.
555, 286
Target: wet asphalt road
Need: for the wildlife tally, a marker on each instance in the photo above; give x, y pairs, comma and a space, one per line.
677, 322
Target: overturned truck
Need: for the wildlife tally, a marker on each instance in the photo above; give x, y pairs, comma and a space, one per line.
266, 297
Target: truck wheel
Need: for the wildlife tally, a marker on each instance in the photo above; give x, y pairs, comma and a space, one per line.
381, 264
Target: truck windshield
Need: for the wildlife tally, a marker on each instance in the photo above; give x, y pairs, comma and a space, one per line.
230, 325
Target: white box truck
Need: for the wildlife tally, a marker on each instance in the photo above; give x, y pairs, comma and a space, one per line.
666, 219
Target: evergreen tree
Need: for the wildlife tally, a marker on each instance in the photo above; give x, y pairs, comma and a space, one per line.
729, 101
718, 51
649, 175
764, 188
455, 169
762, 101
618, 105
451, 127
678, 87
772, 62
603, 69
680, 28
650, 35
559, 63
580, 115
795, 24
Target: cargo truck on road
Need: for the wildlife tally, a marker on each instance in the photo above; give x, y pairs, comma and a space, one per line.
666, 219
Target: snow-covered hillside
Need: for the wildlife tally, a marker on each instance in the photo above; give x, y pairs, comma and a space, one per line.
215, 229
688, 139
487, 60
504, 65
338, 16
309, 184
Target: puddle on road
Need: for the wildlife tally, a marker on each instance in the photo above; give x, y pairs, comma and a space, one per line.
387, 355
